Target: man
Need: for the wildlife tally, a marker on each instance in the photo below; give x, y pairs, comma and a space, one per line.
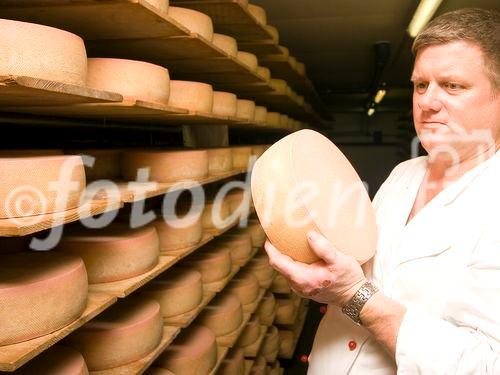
437, 267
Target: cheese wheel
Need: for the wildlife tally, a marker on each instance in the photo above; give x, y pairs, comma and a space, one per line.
284, 51
193, 96
14, 244
284, 121
32, 185
181, 232
256, 233
266, 309
226, 43
341, 209
223, 315
220, 160
106, 164
166, 166
259, 366
113, 253
275, 35
224, 104
240, 245
241, 156
271, 343
285, 311
239, 200
158, 371
233, 363
248, 59
214, 263
135, 80
260, 114
264, 72
57, 360
280, 285
177, 291
126, 332
245, 109
193, 352
287, 339
301, 68
161, 5
258, 13
196, 22
42, 52
264, 273
40, 292
292, 60
278, 85
273, 119
215, 216
250, 334
244, 286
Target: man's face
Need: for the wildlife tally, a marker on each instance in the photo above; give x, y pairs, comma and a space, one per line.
454, 99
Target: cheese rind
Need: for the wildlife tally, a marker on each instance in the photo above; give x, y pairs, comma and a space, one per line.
245, 287
241, 156
285, 51
194, 21
273, 119
226, 43
233, 364
259, 13
271, 343
215, 215
250, 334
223, 315
190, 95
285, 311
224, 104
248, 59
176, 233
43, 52
245, 109
275, 35
279, 85
264, 72
266, 309
240, 245
213, 262
220, 160
40, 292
260, 114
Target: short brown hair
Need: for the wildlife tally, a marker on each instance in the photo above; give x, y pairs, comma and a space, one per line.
479, 26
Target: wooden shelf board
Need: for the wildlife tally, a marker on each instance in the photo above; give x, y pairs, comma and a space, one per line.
252, 350
184, 320
23, 226
260, 47
14, 356
19, 91
221, 354
140, 366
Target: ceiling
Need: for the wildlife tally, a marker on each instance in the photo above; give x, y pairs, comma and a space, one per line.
335, 38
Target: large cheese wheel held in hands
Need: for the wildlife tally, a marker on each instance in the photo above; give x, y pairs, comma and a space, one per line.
40, 185
135, 80
43, 52
40, 292
194, 21
193, 96
304, 182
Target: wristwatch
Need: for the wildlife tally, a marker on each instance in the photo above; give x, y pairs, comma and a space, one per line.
356, 303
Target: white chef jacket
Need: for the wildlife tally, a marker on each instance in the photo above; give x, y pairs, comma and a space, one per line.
444, 266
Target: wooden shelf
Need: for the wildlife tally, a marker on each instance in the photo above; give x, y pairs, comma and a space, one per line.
14, 356
221, 354
23, 226
140, 366
260, 47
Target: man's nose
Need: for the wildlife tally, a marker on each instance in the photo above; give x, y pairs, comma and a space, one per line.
430, 100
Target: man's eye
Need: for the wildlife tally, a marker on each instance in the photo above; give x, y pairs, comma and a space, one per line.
420, 86
453, 86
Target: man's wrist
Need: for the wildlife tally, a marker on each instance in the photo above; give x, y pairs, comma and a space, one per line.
357, 302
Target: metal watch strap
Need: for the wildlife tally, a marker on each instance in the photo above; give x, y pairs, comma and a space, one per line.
353, 308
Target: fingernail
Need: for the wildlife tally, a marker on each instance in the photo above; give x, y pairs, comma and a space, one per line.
312, 235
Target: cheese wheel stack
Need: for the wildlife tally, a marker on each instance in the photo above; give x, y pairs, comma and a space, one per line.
126, 332
246, 288
240, 245
196, 22
165, 166
42, 52
113, 253
193, 352
224, 104
250, 334
271, 345
286, 311
40, 185
259, 266
213, 262
226, 43
223, 315
40, 292
193, 96
280, 285
233, 363
267, 309
220, 160
178, 291
135, 80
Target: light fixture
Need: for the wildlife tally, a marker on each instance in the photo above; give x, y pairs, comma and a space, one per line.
379, 96
371, 111
423, 14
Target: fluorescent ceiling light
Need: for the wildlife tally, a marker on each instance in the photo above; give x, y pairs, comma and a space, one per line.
371, 111
379, 96
423, 14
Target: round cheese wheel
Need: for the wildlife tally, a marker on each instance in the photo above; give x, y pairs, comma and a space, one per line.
264, 72
193, 96
224, 104
258, 13
40, 292
161, 5
42, 52
215, 216
250, 334
126, 332
292, 60
263, 272
245, 109
113, 253
285, 311
241, 156
266, 309
223, 315
271, 343
226, 43
177, 291
256, 233
260, 116
284, 121
240, 245
193, 352
176, 233
106, 164
165, 166
244, 286
273, 119
301, 68
278, 85
233, 363
248, 59
220, 160
31, 185
275, 35
341, 209
259, 366
214, 263
280, 285
57, 360
14, 244
135, 80
196, 22
286, 341
284, 51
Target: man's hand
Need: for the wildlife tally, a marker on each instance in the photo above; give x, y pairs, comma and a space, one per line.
334, 279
